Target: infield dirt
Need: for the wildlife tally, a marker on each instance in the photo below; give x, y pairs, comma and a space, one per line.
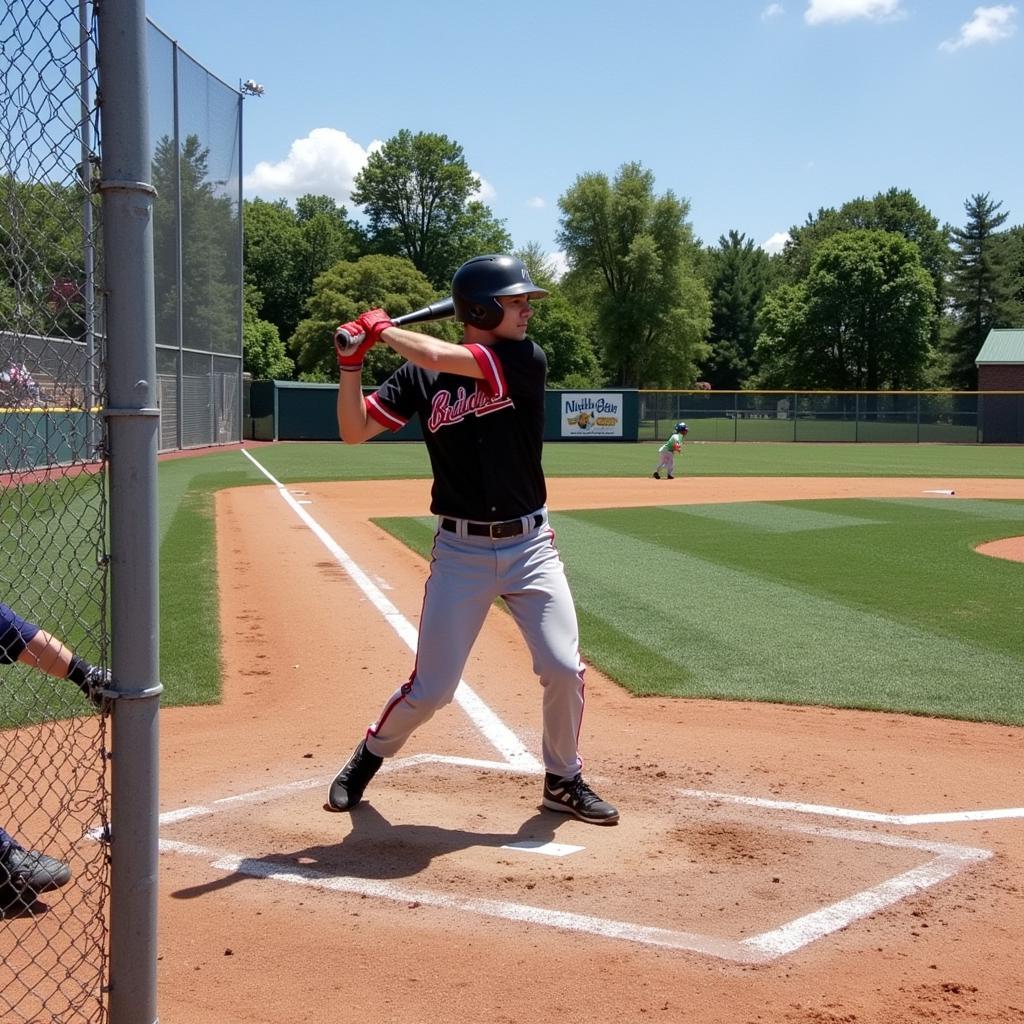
374, 915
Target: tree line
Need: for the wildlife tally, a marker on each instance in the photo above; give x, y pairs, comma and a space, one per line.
874, 295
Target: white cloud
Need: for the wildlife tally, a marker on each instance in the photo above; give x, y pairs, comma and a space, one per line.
776, 243
772, 11
536, 203
989, 25
485, 191
821, 11
559, 264
325, 162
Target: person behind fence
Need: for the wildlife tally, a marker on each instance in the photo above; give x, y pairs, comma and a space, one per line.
21, 383
668, 452
24, 874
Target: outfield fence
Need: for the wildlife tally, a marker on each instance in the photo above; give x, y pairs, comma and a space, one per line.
911, 417
298, 411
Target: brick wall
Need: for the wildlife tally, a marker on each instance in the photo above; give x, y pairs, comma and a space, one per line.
1001, 378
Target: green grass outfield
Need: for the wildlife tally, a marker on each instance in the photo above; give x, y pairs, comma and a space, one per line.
294, 461
870, 604
877, 604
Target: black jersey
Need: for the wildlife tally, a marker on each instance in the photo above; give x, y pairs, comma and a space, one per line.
485, 437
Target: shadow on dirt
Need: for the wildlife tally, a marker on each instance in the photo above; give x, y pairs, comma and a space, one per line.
376, 849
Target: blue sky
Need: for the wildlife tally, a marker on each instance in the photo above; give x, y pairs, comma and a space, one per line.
757, 113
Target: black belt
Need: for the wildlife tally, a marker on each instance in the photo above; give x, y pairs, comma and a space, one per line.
509, 528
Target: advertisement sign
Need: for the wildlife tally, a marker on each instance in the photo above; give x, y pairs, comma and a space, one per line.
598, 414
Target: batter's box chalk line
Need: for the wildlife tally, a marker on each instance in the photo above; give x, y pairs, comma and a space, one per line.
944, 860
939, 818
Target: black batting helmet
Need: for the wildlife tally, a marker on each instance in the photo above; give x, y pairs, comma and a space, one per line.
682, 428
478, 283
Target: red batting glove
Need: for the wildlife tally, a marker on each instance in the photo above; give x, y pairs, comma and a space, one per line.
373, 322
350, 358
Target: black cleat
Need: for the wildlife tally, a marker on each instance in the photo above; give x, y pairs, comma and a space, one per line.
574, 796
347, 788
656, 477
27, 872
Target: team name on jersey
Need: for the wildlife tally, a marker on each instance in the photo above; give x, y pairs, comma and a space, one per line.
446, 409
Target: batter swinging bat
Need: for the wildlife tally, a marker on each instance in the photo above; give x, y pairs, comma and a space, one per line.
435, 311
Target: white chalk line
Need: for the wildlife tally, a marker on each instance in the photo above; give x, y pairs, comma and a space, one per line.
941, 818
413, 897
788, 938
948, 860
494, 730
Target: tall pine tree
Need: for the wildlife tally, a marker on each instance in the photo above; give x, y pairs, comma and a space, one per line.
981, 288
739, 279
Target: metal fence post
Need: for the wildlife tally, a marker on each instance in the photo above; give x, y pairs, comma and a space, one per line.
133, 431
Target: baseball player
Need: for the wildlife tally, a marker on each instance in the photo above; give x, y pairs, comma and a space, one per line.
668, 452
26, 873
493, 538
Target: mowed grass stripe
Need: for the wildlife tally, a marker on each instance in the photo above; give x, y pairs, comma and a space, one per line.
976, 508
773, 517
916, 567
671, 622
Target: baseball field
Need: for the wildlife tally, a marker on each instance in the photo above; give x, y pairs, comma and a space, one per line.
805, 694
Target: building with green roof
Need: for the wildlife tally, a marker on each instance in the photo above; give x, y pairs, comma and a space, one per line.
1001, 369
1001, 360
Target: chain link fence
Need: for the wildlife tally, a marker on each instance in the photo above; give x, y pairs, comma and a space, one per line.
196, 126
914, 417
53, 520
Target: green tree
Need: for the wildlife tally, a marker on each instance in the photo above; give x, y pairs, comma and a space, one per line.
417, 191
344, 291
263, 351
860, 321
896, 210
328, 236
286, 250
981, 290
1013, 257
561, 327
476, 231
273, 242
739, 273
634, 252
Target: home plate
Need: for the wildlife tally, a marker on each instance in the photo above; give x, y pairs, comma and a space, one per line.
549, 849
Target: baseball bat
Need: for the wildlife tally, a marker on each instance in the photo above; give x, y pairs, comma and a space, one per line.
441, 310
